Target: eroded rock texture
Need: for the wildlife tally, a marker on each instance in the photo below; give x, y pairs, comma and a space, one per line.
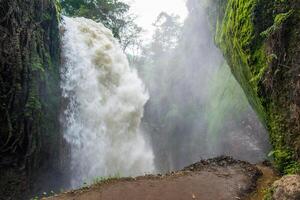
29, 96
287, 188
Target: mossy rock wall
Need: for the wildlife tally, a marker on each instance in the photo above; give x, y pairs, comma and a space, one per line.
260, 40
30, 138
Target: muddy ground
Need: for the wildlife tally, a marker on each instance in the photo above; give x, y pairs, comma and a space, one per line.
221, 178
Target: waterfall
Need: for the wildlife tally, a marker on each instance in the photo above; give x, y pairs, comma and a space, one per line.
104, 105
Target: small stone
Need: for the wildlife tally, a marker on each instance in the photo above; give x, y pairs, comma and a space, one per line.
287, 188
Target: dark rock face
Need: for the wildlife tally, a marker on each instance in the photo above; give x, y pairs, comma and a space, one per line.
260, 40
30, 138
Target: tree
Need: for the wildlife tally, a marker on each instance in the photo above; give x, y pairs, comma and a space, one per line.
167, 32
114, 14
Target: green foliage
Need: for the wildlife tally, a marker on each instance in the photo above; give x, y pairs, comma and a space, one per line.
100, 180
242, 29
46, 17
31, 57
234, 35
284, 161
284, 156
37, 64
293, 167
279, 19
112, 13
166, 33
58, 9
43, 195
268, 193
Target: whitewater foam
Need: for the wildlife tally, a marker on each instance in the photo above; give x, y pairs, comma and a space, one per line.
105, 104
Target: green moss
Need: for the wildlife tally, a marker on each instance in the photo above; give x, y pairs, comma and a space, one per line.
58, 9
33, 104
46, 17
284, 161
37, 64
279, 19
284, 156
246, 32
260, 61
30, 95
234, 35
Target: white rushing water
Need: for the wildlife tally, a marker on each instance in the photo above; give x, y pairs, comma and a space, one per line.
105, 103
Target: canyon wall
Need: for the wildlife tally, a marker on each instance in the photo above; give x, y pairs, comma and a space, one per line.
30, 138
261, 41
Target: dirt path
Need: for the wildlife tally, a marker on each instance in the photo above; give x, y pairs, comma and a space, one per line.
214, 179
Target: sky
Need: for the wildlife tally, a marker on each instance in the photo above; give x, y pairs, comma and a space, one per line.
148, 10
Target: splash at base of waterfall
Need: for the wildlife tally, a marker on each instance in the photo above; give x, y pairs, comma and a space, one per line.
105, 103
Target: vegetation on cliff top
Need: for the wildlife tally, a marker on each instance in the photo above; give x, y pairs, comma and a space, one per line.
114, 14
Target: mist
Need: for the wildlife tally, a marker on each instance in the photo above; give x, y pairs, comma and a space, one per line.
196, 108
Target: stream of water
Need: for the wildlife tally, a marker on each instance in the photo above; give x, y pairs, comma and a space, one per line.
104, 105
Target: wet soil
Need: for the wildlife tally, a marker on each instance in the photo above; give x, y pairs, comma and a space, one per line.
269, 176
221, 178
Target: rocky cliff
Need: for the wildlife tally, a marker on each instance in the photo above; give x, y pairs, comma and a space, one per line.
29, 95
261, 42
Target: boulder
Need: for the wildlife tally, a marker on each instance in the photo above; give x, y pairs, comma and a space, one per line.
287, 188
